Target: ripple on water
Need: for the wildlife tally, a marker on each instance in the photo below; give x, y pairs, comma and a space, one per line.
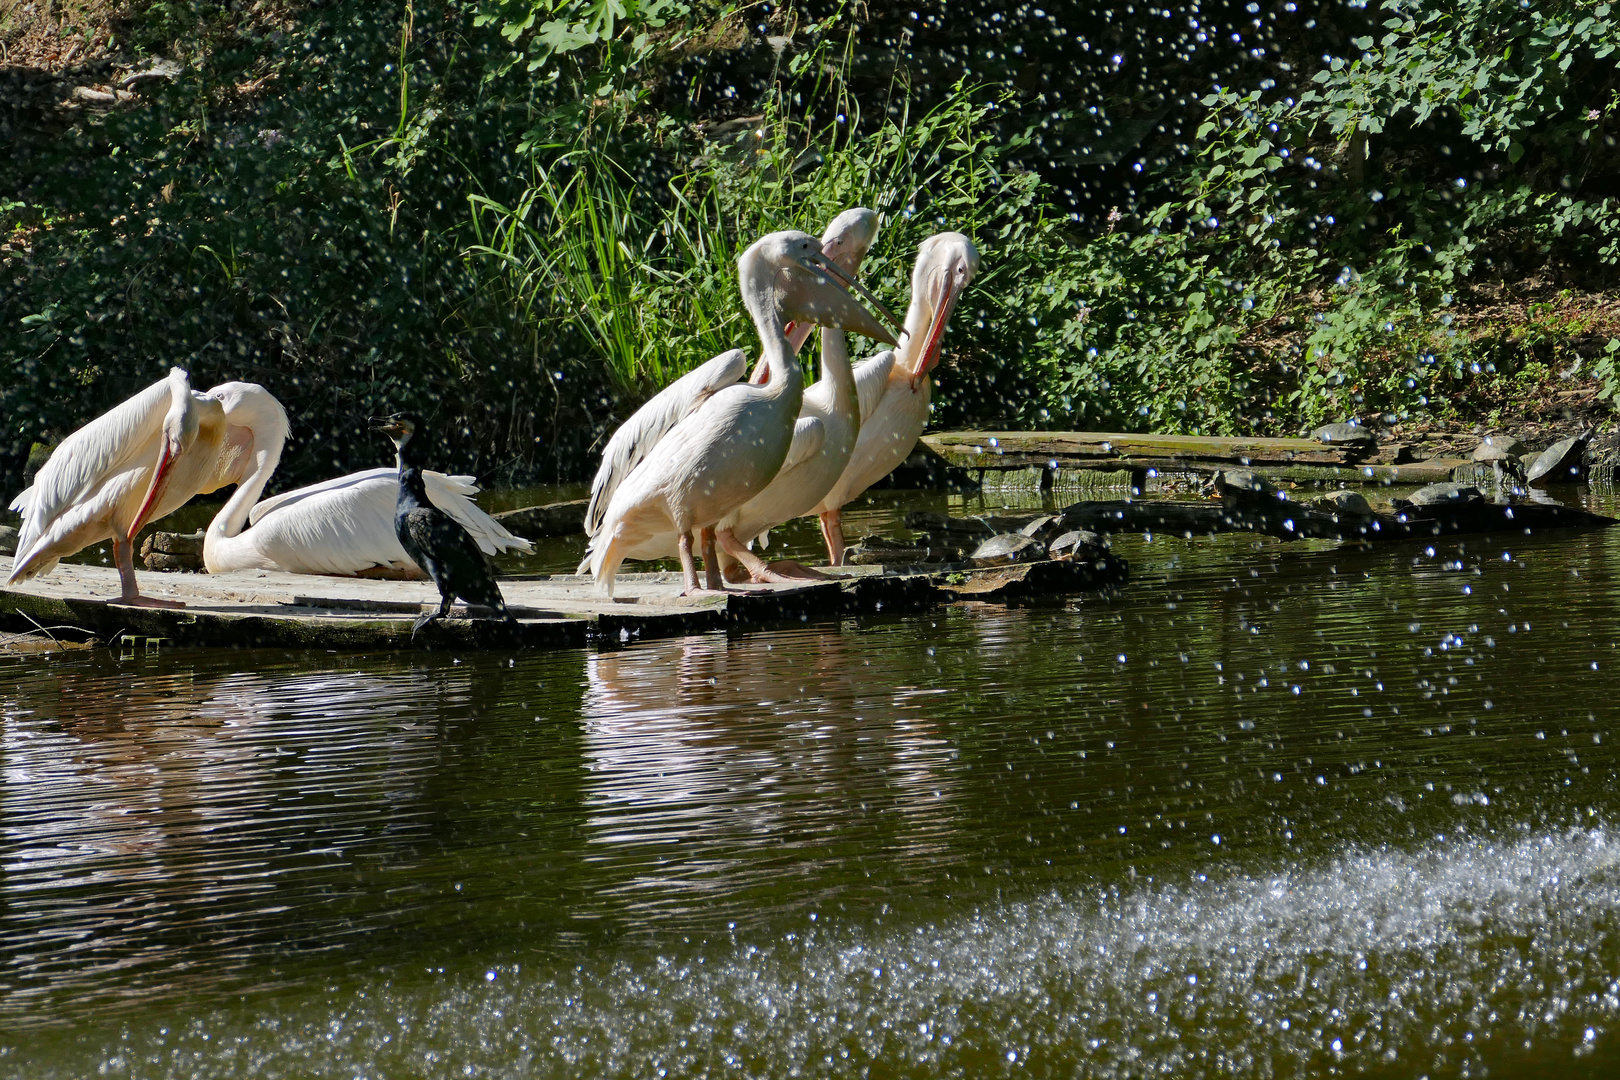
1447, 957
977, 842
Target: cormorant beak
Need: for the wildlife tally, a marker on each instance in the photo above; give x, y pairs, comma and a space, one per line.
160, 484
929, 358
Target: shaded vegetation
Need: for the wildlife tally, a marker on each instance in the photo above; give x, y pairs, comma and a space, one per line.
520, 217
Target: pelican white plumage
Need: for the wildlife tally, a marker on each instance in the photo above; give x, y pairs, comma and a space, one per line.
732, 444
845, 241
343, 526
637, 436
133, 464
171, 443
894, 385
820, 450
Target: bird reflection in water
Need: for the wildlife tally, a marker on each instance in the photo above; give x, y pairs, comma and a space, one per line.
151, 818
720, 768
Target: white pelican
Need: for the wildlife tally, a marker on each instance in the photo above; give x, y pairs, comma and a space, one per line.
139, 461
343, 526
846, 242
815, 461
734, 442
894, 385
170, 443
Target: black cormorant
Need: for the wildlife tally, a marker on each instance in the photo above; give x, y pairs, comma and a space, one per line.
434, 539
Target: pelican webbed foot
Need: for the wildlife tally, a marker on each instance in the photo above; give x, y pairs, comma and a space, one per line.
794, 570
758, 571
138, 600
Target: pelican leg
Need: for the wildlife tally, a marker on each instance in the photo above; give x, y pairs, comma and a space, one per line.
124, 557
712, 578
689, 568
757, 570
832, 531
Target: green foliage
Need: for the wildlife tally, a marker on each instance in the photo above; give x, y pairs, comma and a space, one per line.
305, 238
648, 278
618, 33
1306, 264
523, 215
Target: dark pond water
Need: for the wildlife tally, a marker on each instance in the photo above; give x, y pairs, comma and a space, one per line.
1274, 810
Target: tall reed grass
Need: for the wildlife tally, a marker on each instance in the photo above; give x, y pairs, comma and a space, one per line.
647, 277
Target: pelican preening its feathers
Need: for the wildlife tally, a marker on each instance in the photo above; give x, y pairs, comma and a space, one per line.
712, 456
148, 456
698, 459
135, 463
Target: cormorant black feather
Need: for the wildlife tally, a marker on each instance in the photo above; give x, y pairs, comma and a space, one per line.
434, 539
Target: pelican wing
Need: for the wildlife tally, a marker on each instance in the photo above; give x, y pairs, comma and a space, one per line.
808, 435
118, 441
265, 507
638, 435
346, 525
341, 529
871, 379
465, 486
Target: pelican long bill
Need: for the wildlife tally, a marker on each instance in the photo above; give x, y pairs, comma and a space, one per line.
154, 490
850, 285
928, 359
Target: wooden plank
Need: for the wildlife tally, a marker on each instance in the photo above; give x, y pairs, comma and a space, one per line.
269, 608
1290, 459
976, 449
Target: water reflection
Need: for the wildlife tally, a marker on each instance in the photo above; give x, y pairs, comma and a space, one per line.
717, 767
1274, 809
163, 825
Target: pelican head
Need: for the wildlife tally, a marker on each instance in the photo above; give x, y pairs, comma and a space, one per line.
251, 406
847, 239
849, 236
810, 287
179, 431
946, 263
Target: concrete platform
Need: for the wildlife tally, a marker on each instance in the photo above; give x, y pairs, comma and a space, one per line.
270, 608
